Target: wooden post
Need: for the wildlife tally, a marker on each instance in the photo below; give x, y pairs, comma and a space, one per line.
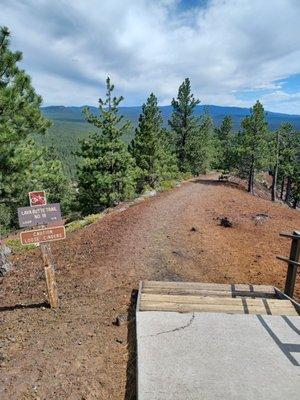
292, 266
50, 274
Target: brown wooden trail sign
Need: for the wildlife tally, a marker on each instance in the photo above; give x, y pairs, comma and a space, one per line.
39, 215
43, 235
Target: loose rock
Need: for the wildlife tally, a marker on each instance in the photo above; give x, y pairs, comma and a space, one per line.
121, 319
226, 223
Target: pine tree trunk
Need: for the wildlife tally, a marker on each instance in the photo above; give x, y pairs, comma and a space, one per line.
274, 183
282, 188
182, 152
251, 178
288, 190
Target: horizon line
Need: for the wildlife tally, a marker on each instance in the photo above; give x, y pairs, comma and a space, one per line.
199, 105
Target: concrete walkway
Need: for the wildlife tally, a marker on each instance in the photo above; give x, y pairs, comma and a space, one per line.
217, 356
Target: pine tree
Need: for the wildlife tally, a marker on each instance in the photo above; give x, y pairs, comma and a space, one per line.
201, 146
225, 144
150, 148
253, 144
22, 164
107, 173
287, 156
48, 173
296, 185
182, 121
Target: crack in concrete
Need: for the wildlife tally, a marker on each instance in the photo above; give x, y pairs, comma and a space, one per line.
187, 325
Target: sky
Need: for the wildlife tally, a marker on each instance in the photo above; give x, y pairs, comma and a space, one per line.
234, 51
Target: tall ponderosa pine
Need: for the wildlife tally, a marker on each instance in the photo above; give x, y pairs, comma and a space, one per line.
151, 149
107, 172
201, 146
23, 166
253, 144
182, 121
287, 160
225, 138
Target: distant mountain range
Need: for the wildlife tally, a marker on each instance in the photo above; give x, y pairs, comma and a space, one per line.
74, 114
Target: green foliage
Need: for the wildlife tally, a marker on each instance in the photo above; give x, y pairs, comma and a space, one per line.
15, 245
201, 146
151, 148
23, 165
183, 123
225, 145
107, 173
289, 142
68, 126
64, 136
5, 218
88, 220
48, 174
289, 160
253, 144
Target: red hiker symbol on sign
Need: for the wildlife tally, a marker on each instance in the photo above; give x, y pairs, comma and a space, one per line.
37, 198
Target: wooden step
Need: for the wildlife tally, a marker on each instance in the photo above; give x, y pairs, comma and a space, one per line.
208, 289
209, 297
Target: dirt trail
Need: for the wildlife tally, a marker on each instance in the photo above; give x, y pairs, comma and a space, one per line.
77, 352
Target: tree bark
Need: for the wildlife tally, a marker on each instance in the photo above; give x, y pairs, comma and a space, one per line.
288, 190
251, 178
282, 188
275, 173
295, 203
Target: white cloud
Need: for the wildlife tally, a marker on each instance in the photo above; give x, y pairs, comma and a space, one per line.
226, 47
280, 101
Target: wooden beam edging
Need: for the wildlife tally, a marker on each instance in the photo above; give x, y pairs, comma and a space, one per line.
138, 301
284, 296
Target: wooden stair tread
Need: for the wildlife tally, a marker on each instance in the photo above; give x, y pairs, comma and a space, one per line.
209, 289
209, 297
208, 286
229, 309
204, 292
211, 300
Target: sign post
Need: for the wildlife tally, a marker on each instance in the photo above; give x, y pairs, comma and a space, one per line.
41, 213
49, 274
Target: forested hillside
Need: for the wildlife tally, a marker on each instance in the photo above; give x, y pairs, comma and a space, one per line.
75, 114
69, 125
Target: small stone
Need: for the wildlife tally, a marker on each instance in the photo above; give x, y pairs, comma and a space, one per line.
121, 319
226, 223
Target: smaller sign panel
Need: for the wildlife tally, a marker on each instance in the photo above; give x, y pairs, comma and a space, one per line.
43, 235
37, 198
32, 216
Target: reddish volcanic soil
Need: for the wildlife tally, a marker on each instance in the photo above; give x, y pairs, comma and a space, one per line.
78, 352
